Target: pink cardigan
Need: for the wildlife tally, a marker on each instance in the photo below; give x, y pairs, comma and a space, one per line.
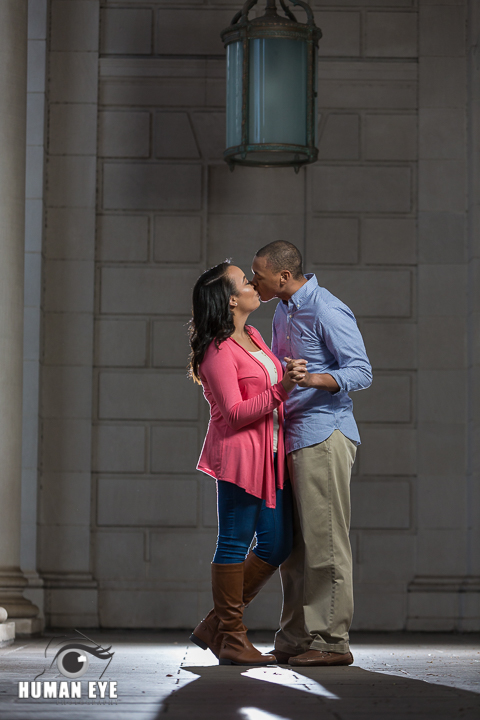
238, 446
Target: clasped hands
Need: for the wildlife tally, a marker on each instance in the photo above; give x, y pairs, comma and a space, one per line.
295, 374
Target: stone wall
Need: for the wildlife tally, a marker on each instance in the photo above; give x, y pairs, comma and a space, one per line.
136, 95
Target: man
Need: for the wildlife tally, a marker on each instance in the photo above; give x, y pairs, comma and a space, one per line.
311, 325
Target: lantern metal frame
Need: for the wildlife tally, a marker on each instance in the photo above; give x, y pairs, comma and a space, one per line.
271, 25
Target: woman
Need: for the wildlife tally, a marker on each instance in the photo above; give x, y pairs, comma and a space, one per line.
243, 451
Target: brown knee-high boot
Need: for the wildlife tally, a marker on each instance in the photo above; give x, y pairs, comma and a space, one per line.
255, 575
227, 588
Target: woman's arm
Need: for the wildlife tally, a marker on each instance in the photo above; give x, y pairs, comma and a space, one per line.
219, 370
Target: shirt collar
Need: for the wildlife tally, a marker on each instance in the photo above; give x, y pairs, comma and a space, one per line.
303, 293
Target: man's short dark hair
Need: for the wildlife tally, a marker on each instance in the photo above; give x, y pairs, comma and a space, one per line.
282, 255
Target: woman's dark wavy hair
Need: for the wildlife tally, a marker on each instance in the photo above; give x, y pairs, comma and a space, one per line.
212, 319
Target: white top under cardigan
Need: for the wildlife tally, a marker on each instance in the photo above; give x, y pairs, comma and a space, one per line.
272, 371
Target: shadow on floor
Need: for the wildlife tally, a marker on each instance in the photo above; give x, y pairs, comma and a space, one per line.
337, 693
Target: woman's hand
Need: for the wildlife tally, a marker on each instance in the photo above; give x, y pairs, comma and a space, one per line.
294, 375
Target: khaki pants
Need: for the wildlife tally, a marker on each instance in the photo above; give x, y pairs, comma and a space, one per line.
317, 577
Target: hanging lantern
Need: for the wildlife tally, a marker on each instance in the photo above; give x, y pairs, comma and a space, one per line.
271, 88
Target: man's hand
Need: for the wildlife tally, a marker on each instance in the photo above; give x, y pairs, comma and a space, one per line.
321, 381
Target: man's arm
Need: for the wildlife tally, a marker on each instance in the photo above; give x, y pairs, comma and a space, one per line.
342, 337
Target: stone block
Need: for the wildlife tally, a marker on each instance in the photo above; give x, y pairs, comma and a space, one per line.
389, 241
388, 451
339, 137
147, 395
147, 290
66, 445
32, 290
7, 633
332, 241
31, 333
66, 391
442, 552
70, 234
124, 134
174, 449
123, 238
37, 20
174, 136
442, 290
189, 32
439, 390
181, 556
437, 611
241, 236
33, 225
441, 133
121, 343
341, 34
209, 502
392, 34
380, 293
391, 345
35, 118
170, 343
387, 558
389, 399
72, 129
441, 448
120, 555
64, 498
178, 238
34, 171
442, 185
352, 94
387, 613
390, 137
157, 92
441, 238
72, 607
73, 77
442, 82
151, 186
148, 609
74, 25
147, 502
241, 189
381, 505
210, 131
442, 30
442, 343
441, 502
126, 31
36, 54
69, 286
119, 448
64, 548
361, 189
71, 181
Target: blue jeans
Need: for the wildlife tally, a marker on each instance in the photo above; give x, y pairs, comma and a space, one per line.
241, 516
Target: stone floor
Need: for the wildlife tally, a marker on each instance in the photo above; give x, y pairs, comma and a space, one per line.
395, 676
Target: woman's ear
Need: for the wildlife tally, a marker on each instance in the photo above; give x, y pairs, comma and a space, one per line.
233, 302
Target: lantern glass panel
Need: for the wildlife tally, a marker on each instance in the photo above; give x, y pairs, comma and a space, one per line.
277, 91
234, 93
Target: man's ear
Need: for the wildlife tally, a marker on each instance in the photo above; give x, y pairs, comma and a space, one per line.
285, 276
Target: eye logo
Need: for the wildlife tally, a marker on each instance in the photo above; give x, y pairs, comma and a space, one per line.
72, 658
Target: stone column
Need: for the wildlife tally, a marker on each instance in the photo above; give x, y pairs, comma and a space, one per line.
13, 93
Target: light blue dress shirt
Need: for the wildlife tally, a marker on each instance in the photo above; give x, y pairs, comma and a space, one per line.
318, 327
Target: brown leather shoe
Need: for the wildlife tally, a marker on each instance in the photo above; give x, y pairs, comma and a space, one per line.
256, 573
282, 657
321, 657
